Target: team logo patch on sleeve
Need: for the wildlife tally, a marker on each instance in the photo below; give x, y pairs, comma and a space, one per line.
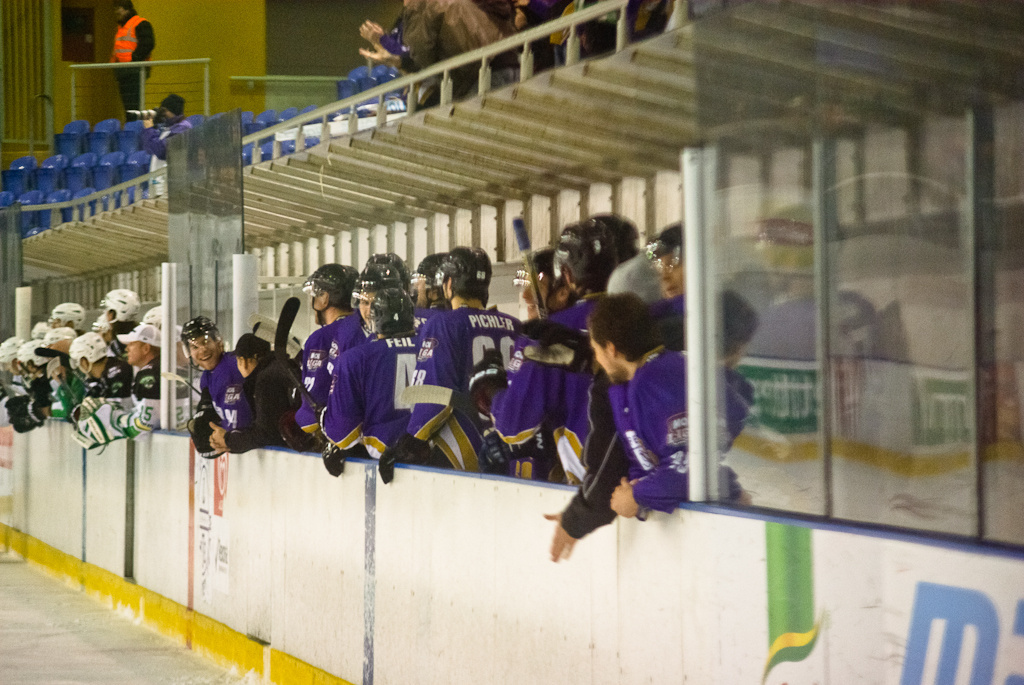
232, 394
335, 350
427, 349
516, 362
316, 360
678, 430
147, 381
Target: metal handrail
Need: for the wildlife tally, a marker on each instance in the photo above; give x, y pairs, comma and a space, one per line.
483, 55
205, 61
288, 78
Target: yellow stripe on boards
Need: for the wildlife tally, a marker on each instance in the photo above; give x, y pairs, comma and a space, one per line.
212, 639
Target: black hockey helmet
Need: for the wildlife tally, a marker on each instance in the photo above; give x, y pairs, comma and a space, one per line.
379, 273
669, 242
588, 251
199, 327
623, 231
469, 269
393, 260
391, 312
336, 280
427, 270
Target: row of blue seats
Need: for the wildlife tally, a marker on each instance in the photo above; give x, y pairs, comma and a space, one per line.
106, 136
36, 221
88, 169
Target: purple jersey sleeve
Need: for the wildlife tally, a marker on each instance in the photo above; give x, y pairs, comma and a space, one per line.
316, 374
224, 383
651, 419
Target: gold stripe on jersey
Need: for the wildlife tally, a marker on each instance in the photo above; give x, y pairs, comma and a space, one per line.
350, 439
373, 443
434, 424
519, 437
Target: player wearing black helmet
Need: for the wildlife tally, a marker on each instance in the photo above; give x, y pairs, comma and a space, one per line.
222, 399
386, 270
331, 289
584, 258
424, 283
365, 411
451, 343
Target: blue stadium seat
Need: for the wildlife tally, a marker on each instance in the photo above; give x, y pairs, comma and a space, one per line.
86, 209
287, 114
77, 126
6, 198
104, 176
247, 117
66, 214
247, 154
113, 162
50, 174
26, 162
115, 158
346, 89
141, 157
103, 138
268, 117
267, 148
384, 73
196, 120
70, 144
359, 72
29, 219
307, 109
79, 174
17, 181
136, 125
129, 140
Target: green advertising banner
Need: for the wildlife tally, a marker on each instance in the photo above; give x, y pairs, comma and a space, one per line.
792, 629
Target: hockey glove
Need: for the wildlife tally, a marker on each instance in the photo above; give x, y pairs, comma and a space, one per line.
408, 450
488, 378
558, 345
334, 459
293, 436
494, 453
200, 430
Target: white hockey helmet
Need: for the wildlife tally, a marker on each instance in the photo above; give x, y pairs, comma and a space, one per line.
9, 349
58, 334
27, 353
101, 325
40, 330
154, 317
89, 346
68, 313
124, 303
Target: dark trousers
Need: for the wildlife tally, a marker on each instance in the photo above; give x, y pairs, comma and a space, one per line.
128, 85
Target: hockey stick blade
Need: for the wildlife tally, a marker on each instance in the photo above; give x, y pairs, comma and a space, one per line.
265, 328
435, 394
284, 324
168, 376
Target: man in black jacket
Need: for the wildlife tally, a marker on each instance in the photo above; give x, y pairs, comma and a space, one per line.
271, 392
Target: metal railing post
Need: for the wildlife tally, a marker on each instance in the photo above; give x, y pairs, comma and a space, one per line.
206, 89
74, 99
142, 88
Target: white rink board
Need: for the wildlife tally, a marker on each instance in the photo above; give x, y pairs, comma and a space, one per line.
161, 515
105, 493
464, 591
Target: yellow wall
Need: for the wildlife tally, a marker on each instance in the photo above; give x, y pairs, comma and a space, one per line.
230, 32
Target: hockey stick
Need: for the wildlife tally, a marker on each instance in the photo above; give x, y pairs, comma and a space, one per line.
436, 394
523, 240
167, 375
281, 342
265, 328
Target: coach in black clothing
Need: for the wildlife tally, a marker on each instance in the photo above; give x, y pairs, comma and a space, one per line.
270, 390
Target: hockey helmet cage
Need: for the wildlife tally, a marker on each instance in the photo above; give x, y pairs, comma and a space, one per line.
336, 280
89, 346
469, 269
391, 312
124, 303
588, 250
668, 243
68, 312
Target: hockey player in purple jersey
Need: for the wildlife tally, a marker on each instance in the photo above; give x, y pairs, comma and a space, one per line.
423, 287
388, 270
584, 258
666, 253
222, 400
451, 343
330, 288
365, 412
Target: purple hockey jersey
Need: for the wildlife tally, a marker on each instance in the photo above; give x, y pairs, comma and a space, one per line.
537, 393
451, 343
319, 358
224, 385
366, 403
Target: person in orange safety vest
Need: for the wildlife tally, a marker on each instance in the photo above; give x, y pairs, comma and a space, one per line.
133, 42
